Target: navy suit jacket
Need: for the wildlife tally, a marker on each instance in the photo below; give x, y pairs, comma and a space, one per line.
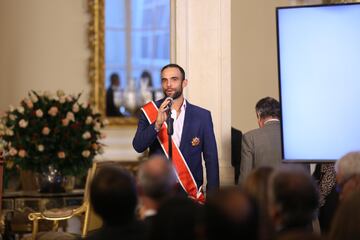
197, 123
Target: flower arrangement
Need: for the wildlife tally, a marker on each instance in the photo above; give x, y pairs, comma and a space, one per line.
52, 130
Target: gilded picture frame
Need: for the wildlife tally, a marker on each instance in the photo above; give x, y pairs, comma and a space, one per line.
96, 72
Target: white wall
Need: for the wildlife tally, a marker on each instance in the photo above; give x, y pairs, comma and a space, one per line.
43, 47
254, 56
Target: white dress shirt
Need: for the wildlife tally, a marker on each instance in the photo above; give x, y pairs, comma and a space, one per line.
178, 123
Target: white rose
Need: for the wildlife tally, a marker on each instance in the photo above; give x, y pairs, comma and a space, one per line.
11, 108
9, 132
86, 135
97, 127
34, 98
23, 123
69, 98
75, 108
85, 105
40, 148
85, 153
60, 93
48, 94
100, 150
62, 99
88, 120
20, 109
39, 113
105, 122
70, 116
12, 151
12, 117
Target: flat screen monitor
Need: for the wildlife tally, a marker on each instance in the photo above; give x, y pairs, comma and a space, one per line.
319, 81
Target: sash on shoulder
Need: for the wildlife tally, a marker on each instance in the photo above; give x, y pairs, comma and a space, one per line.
183, 172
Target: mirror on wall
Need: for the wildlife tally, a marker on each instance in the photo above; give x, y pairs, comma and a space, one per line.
130, 42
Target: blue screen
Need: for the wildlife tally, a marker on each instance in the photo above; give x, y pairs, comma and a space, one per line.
319, 72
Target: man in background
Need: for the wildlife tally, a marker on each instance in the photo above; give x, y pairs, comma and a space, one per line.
111, 108
262, 146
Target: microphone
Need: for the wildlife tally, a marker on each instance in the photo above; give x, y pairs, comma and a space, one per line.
170, 120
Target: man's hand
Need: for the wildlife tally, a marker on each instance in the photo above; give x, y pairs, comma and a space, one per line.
161, 116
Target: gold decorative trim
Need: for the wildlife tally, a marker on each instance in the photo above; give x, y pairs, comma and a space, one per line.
96, 41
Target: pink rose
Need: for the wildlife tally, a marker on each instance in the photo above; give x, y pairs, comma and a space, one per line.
28, 103
39, 113
53, 111
65, 122
61, 154
85, 153
23, 123
45, 131
22, 153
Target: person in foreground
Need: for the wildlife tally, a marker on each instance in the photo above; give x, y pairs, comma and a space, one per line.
193, 134
114, 198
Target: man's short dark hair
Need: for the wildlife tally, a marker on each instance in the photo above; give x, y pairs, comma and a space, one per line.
114, 77
113, 195
174, 65
268, 107
294, 192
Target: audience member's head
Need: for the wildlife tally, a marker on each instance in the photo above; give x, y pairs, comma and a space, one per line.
346, 222
230, 213
257, 185
347, 171
113, 195
156, 178
177, 219
267, 108
293, 199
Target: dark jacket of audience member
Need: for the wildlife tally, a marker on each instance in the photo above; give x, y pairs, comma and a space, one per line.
346, 222
113, 197
257, 185
231, 214
293, 199
178, 218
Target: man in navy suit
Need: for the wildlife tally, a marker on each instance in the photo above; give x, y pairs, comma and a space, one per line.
193, 129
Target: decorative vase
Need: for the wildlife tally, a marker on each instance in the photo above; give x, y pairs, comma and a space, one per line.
51, 180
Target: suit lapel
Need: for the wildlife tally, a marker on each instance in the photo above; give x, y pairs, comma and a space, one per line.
186, 126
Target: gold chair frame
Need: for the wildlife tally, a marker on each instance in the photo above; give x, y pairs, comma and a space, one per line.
57, 215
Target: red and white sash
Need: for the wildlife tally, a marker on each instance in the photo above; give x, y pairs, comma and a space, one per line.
183, 172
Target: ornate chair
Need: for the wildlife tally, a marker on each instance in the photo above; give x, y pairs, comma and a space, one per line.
91, 220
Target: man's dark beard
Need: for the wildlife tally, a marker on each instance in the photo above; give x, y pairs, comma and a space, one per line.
177, 94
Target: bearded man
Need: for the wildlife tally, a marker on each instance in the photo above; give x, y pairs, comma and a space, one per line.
193, 139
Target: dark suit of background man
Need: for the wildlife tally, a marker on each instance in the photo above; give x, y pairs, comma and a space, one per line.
193, 128
111, 109
262, 146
